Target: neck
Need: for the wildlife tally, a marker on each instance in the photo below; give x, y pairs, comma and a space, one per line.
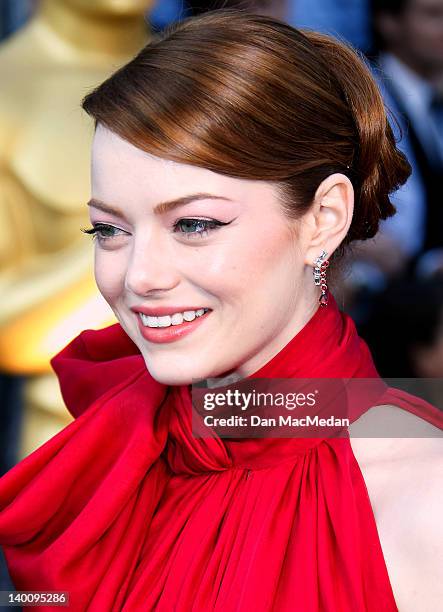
111, 35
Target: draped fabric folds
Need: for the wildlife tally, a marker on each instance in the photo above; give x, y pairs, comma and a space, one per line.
126, 510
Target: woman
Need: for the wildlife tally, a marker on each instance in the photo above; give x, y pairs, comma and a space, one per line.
233, 159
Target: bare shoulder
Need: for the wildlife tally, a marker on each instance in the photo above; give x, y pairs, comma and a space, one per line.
401, 459
396, 447
389, 421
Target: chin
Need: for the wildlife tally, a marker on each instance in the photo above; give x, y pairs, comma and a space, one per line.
170, 380
169, 376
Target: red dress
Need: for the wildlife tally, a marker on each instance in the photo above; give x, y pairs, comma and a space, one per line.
126, 510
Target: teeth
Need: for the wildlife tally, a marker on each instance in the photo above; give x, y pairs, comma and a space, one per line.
189, 315
175, 319
164, 321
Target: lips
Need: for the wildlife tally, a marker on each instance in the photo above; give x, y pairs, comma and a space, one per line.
161, 335
161, 311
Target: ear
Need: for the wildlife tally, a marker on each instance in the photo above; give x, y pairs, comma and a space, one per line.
329, 217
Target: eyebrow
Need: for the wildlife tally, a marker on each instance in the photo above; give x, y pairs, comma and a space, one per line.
161, 208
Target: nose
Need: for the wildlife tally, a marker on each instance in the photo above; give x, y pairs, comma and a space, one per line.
151, 267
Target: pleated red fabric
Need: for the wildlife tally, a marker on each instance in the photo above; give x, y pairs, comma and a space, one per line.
126, 510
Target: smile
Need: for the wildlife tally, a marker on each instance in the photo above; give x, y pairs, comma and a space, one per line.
175, 319
172, 327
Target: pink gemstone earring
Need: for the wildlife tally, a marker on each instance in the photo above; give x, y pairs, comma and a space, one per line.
321, 264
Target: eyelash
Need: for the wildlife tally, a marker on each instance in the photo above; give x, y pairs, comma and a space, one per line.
209, 225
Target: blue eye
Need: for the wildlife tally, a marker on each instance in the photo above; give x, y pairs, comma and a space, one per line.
197, 227
189, 227
102, 231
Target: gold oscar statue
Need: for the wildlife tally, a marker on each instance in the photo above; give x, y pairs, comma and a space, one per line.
46, 266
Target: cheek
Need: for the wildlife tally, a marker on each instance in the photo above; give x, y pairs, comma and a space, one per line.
110, 270
271, 252
258, 261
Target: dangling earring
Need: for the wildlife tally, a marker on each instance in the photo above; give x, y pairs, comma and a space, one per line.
321, 263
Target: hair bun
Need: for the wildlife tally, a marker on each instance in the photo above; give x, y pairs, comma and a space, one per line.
252, 97
378, 167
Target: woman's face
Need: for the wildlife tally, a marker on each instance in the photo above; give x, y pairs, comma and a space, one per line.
233, 256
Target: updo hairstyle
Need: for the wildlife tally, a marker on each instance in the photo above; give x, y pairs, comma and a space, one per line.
251, 97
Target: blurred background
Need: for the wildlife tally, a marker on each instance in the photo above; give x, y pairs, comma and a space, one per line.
52, 52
